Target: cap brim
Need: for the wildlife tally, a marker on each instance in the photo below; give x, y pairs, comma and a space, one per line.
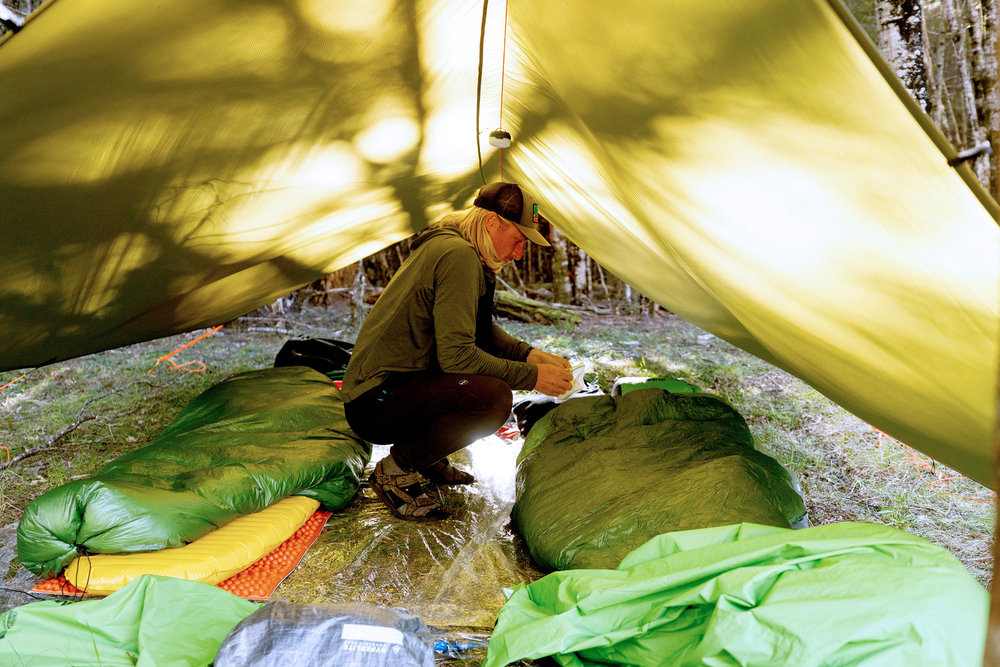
533, 235
528, 226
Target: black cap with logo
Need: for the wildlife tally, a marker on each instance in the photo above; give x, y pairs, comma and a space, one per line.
517, 206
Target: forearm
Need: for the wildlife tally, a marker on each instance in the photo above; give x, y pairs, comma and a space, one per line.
467, 358
508, 346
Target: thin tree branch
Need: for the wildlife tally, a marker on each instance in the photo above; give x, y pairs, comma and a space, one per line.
505, 284
80, 419
49, 445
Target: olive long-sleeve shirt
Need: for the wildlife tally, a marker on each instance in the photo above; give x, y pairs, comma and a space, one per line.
426, 319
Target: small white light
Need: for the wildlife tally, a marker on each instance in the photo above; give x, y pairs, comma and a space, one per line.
500, 138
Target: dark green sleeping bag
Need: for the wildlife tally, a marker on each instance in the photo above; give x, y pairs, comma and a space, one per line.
237, 448
599, 476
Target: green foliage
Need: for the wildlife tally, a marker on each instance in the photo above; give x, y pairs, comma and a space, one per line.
864, 12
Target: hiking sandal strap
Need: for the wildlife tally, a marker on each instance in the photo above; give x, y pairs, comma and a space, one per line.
404, 495
396, 481
442, 472
421, 506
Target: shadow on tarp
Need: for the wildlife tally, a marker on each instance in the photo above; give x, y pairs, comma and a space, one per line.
450, 573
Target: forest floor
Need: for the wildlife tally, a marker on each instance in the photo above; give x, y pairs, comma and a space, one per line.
72, 417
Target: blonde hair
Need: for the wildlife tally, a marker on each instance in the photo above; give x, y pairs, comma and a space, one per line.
471, 224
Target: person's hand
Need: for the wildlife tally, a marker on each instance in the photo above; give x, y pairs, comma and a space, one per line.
538, 357
552, 380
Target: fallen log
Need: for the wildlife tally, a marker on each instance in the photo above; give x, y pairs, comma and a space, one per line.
516, 307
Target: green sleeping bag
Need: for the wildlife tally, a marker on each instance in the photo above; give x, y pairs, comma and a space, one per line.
842, 594
237, 448
151, 622
600, 475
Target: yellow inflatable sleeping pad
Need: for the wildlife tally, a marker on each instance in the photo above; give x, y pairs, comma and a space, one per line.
213, 558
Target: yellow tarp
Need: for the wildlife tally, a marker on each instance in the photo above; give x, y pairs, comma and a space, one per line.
168, 166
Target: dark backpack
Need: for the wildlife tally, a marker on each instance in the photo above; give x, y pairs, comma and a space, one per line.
325, 355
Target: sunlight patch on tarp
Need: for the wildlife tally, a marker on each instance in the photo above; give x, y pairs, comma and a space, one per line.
354, 17
121, 254
450, 55
446, 148
585, 201
573, 158
388, 139
335, 166
261, 211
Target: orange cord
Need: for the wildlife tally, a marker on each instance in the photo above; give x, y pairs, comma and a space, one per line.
6, 449
13, 381
926, 465
175, 366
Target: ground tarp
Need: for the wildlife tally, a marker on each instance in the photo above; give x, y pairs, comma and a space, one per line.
152, 622
237, 448
599, 476
450, 573
753, 167
842, 594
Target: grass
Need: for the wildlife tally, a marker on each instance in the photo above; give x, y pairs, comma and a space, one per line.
80, 414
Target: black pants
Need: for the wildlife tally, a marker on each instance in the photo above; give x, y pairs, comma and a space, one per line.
427, 416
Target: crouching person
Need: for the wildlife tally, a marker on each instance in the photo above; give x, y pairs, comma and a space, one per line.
431, 372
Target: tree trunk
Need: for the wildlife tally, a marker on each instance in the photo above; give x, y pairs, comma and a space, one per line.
581, 273
937, 90
900, 40
990, 65
512, 274
980, 166
385, 268
358, 307
562, 286
627, 289
604, 284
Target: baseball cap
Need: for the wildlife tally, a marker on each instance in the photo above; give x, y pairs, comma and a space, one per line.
513, 203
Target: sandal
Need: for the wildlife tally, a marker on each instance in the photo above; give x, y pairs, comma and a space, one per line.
442, 472
404, 496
